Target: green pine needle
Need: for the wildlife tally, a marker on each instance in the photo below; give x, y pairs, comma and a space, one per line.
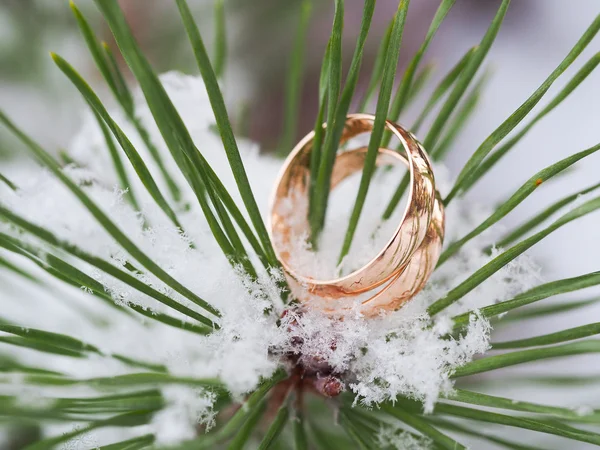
112, 75
406, 84
466, 76
420, 82
318, 205
552, 338
526, 356
105, 221
504, 258
244, 433
476, 398
276, 428
442, 88
220, 53
536, 294
134, 157
454, 427
362, 440
293, 89
319, 130
299, 429
490, 161
124, 96
117, 162
460, 119
222, 118
548, 310
383, 103
539, 218
515, 118
107, 267
413, 421
517, 198
377, 71
511, 421
7, 182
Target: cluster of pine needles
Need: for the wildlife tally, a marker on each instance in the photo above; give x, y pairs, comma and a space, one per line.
270, 416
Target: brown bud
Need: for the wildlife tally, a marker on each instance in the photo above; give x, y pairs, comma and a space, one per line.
329, 386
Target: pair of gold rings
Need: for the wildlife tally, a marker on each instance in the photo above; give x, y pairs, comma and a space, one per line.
402, 267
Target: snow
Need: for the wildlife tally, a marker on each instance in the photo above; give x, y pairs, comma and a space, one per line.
187, 409
398, 439
401, 353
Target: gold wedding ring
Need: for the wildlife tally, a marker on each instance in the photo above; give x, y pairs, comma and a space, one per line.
402, 267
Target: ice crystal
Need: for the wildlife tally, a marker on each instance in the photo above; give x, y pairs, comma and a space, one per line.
398, 439
186, 411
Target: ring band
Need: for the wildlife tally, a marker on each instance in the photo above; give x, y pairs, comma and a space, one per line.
408, 258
